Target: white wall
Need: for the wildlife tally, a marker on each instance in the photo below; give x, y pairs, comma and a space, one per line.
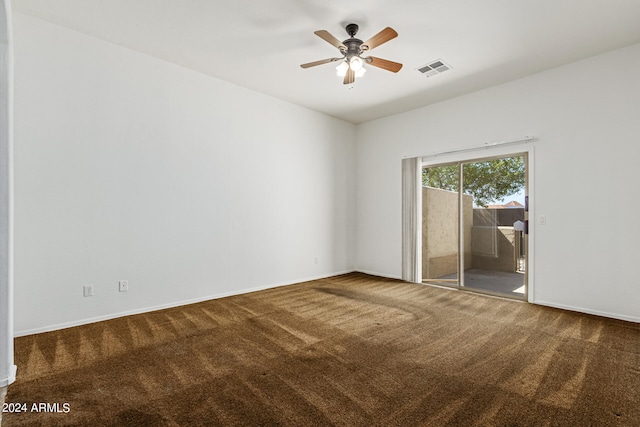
586, 117
128, 167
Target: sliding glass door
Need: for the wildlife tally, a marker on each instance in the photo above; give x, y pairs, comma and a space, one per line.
475, 239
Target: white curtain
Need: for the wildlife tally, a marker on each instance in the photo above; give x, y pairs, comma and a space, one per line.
412, 220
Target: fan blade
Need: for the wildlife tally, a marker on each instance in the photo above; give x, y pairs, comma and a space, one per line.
326, 36
385, 64
382, 37
322, 61
350, 77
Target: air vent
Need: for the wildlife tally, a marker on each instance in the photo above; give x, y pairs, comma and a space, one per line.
435, 67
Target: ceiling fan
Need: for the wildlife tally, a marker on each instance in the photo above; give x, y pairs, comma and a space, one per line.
352, 63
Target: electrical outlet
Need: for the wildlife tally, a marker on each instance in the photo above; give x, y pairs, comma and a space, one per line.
123, 285
87, 290
316, 260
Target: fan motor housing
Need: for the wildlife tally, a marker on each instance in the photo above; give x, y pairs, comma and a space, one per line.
353, 46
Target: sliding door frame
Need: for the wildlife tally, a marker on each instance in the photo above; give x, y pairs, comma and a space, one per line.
485, 154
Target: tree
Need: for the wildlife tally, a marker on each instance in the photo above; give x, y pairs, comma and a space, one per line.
487, 181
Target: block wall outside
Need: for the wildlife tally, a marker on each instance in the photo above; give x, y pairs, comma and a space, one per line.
440, 232
494, 248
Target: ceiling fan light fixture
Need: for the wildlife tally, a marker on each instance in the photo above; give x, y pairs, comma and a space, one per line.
350, 63
342, 68
356, 63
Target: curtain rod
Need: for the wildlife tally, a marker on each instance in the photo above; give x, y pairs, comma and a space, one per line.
486, 146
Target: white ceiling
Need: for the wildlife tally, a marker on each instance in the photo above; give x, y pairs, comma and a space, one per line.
259, 44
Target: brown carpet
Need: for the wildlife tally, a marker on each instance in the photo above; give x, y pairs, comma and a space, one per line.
352, 350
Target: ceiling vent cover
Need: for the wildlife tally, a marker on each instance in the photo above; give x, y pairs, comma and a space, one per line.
434, 67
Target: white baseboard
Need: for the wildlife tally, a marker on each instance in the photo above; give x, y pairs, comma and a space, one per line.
375, 273
12, 375
169, 305
589, 311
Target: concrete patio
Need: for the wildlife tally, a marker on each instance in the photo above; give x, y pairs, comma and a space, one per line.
501, 282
